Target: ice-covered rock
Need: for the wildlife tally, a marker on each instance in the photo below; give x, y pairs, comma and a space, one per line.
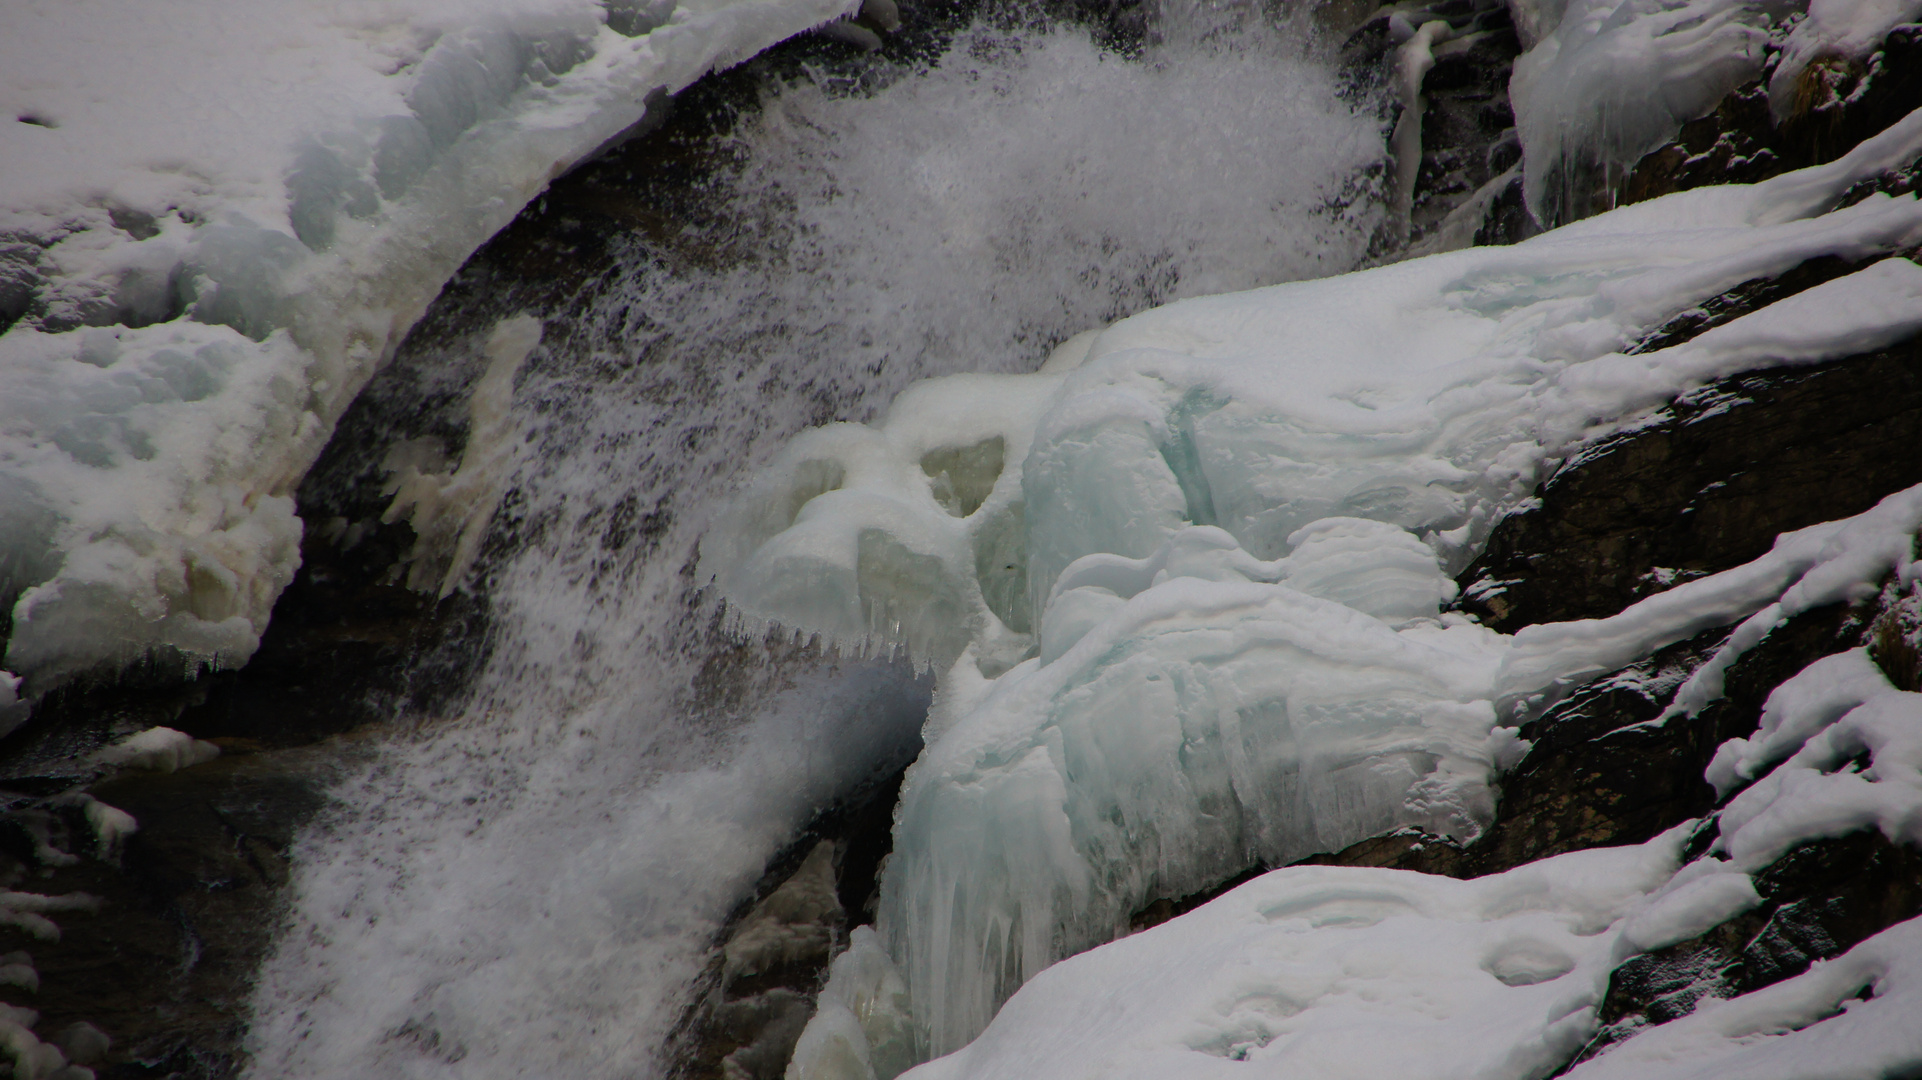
1605, 82
863, 1029
1234, 518
1835, 31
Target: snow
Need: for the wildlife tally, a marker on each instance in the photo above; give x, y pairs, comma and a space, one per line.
1232, 518
1338, 971
213, 256
1835, 30
158, 749
1832, 713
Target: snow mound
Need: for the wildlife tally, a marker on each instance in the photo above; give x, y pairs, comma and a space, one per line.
202, 275
159, 749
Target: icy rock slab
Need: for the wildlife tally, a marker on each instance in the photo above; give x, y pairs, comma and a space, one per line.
1847, 1017
200, 299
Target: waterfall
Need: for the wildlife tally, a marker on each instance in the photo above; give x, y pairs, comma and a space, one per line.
533, 884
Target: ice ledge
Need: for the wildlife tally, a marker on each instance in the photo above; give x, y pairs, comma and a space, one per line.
242, 299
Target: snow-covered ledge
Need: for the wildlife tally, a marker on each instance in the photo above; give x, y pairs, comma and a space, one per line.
217, 221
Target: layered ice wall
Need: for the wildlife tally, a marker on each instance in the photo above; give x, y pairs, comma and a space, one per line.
1183, 582
216, 227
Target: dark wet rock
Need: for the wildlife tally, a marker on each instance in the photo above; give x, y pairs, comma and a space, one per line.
1840, 103
188, 904
1703, 485
772, 960
1468, 127
1604, 768
162, 967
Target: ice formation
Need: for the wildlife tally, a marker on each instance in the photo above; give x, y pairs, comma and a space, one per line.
1612, 80
1183, 582
451, 509
206, 273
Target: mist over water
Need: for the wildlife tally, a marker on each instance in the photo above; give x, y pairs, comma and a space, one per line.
531, 888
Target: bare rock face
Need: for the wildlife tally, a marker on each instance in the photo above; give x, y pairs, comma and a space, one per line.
1469, 153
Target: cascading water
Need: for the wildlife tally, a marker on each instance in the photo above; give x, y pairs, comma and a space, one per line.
534, 887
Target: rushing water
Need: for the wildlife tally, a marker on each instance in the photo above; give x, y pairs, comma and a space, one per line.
532, 888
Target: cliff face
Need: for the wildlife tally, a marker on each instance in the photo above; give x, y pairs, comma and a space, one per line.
161, 958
